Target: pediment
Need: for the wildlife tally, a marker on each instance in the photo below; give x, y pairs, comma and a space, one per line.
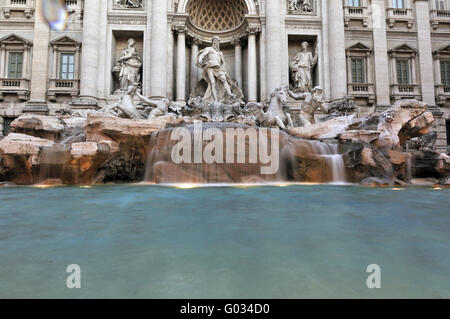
359, 47
14, 39
65, 40
404, 48
443, 50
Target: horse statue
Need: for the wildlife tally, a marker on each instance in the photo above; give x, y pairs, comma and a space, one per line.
275, 114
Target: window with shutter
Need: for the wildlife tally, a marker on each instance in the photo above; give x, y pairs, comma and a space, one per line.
358, 71
403, 72
15, 64
67, 66
445, 72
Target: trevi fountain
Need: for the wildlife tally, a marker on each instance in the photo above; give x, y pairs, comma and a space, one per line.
217, 196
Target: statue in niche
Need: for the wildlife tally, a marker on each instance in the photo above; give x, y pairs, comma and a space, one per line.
128, 67
311, 102
212, 62
128, 3
301, 69
300, 6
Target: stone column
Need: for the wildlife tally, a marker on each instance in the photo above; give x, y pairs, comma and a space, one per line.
382, 82
77, 63
238, 61
325, 53
262, 61
425, 51
274, 55
146, 71
337, 49
369, 68
194, 68
393, 71
89, 53
159, 38
26, 54
2, 61
252, 66
181, 63
39, 78
55, 62
170, 94
437, 69
413, 69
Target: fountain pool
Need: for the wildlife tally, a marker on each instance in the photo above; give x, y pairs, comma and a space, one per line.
299, 241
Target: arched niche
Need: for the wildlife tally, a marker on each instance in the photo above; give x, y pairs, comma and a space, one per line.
207, 18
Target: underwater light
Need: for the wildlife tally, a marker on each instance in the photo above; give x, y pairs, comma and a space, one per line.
185, 186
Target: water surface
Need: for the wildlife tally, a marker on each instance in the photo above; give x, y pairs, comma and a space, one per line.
224, 242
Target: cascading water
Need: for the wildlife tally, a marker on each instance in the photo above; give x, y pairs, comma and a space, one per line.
330, 152
228, 166
299, 160
53, 161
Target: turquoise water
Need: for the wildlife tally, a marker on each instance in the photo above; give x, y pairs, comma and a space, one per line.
224, 242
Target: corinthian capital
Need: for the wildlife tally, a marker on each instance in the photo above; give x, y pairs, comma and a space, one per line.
253, 29
179, 28
236, 41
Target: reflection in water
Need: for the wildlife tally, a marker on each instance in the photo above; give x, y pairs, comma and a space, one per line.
55, 13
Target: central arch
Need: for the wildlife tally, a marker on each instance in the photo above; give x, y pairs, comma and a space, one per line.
251, 8
217, 15
207, 18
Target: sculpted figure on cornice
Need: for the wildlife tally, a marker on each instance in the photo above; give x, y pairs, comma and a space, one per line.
300, 6
128, 3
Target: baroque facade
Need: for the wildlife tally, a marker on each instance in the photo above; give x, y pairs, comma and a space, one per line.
377, 51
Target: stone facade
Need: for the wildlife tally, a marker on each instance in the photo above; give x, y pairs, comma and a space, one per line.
378, 51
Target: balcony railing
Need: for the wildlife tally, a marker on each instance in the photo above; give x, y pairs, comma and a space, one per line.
63, 87
400, 15
24, 7
20, 87
401, 91
442, 93
439, 16
362, 90
356, 13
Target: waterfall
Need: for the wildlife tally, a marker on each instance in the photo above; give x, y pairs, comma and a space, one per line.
330, 153
161, 168
53, 162
298, 160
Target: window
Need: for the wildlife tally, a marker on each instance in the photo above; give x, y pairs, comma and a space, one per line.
358, 71
398, 4
403, 72
354, 3
15, 62
439, 4
445, 72
67, 66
